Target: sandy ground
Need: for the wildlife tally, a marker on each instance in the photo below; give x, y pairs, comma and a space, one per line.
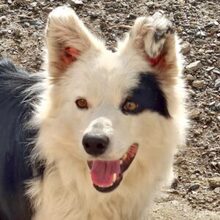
178, 209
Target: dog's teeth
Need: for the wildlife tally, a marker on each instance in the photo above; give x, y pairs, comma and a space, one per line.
114, 177
121, 162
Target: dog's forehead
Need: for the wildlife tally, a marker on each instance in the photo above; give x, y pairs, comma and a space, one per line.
115, 69
109, 62
112, 72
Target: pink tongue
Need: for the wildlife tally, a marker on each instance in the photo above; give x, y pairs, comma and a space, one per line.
102, 172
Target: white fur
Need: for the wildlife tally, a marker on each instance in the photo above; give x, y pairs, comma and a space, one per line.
102, 77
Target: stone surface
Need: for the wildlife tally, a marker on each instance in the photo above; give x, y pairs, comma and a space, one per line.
214, 182
194, 113
194, 65
185, 48
75, 2
217, 83
198, 84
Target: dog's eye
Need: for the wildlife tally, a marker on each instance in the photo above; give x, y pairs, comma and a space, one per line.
82, 103
129, 106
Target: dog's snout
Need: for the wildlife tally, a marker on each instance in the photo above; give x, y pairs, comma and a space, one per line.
95, 145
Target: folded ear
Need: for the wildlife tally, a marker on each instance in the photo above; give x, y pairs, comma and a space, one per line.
67, 40
155, 40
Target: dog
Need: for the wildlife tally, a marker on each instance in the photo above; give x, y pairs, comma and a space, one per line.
92, 137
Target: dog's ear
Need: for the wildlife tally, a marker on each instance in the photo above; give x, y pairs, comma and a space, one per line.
155, 40
67, 39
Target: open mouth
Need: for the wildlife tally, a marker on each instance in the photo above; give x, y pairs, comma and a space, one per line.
107, 175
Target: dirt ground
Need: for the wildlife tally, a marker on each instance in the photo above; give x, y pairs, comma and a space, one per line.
195, 194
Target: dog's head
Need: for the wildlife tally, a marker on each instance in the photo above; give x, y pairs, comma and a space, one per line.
108, 109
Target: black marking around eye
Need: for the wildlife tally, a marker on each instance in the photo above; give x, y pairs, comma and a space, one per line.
148, 95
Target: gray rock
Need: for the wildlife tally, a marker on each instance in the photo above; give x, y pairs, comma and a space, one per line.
217, 83
17, 33
193, 187
217, 107
214, 182
131, 16
75, 2
194, 114
2, 18
149, 4
94, 15
211, 24
198, 84
209, 68
216, 71
185, 48
33, 4
200, 34
3, 32
190, 77
194, 66
2, 8
217, 190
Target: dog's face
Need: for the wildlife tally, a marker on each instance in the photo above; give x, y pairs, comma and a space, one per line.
107, 106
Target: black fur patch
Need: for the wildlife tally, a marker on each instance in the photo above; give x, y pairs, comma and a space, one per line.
148, 96
15, 148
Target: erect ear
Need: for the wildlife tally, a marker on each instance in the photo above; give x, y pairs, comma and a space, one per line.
67, 40
155, 40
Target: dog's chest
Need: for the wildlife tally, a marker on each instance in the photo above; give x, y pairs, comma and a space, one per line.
59, 203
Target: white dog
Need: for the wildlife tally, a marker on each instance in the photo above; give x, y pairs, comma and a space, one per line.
108, 123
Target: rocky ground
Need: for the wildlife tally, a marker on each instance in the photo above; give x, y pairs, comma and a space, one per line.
195, 193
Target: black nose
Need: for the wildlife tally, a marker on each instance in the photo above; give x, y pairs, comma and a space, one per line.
95, 145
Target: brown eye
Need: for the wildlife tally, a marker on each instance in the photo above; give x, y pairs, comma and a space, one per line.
130, 106
82, 103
